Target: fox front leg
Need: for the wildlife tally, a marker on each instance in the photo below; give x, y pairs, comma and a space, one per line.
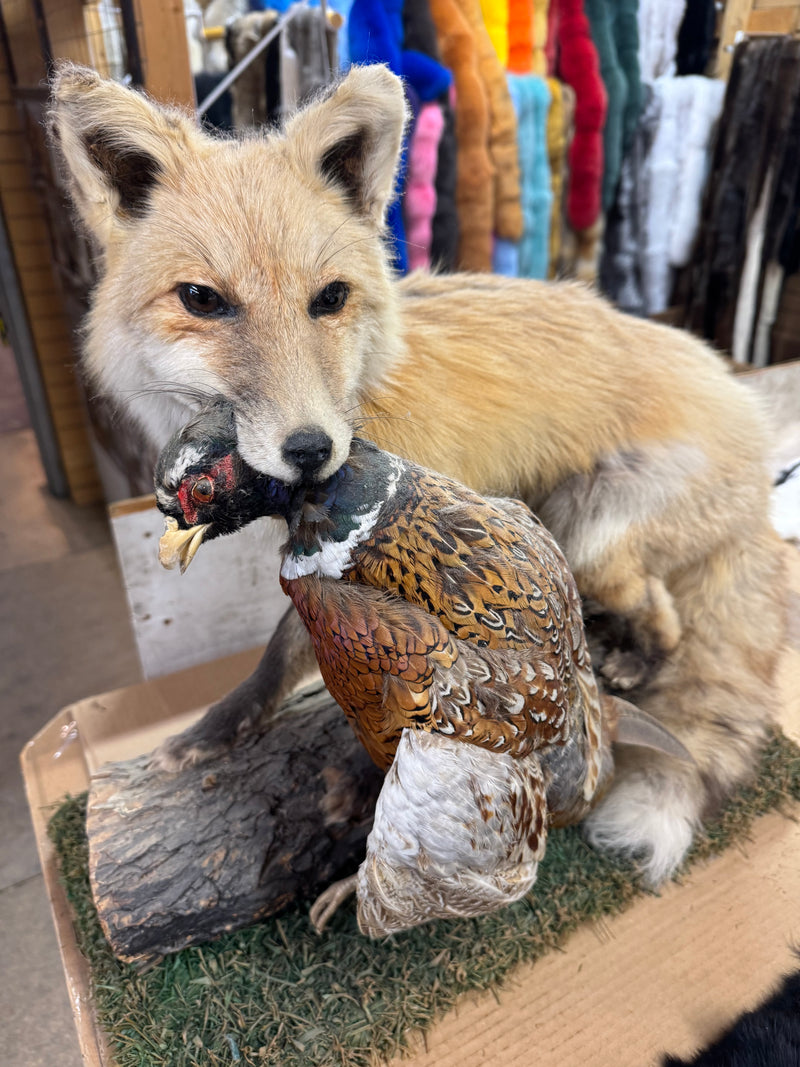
252, 705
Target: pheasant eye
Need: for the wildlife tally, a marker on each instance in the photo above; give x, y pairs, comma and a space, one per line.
203, 491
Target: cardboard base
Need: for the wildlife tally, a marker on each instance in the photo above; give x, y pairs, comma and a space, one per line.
667, 975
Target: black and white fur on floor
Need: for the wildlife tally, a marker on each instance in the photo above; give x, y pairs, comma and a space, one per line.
766, 1037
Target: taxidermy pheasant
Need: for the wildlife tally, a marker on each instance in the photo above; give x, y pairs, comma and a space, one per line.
448, 627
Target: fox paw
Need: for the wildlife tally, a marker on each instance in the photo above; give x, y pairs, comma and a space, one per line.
208, 739
625, 670
179, 752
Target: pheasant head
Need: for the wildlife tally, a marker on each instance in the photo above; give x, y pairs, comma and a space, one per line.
205, 489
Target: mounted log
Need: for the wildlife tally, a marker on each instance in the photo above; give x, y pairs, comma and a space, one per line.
177, 858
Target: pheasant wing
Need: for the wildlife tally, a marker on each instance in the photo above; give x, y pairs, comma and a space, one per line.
378, 656
390, 664
585, 697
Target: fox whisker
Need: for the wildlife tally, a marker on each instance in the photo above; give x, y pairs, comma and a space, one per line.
343, 248
327, 242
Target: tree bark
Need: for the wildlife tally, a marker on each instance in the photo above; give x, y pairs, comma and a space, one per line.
179, 858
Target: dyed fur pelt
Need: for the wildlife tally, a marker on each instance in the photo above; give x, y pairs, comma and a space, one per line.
541, 22
615, 34
502, 128
578, 65
505, 258
598, 13
572, 57
558, 141
374, 36
532, 100
495, 15
445, 227
420, 200
474, 177
625, 30
520, 37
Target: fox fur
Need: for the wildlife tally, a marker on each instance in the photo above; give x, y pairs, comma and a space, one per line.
629, 439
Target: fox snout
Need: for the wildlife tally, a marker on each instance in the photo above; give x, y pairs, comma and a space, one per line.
299, 450
307, 451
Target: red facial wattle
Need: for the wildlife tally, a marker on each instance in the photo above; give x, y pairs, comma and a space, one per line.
220, 475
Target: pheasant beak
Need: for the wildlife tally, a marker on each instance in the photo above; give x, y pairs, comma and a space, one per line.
177, 546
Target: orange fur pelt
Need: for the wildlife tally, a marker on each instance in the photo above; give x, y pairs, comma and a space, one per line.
503, 149
520, 37
475, 173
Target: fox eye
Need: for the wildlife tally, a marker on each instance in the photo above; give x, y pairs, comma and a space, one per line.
329, 300
202, 300
203, 491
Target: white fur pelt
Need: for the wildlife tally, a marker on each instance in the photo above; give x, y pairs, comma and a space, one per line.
659, 23
706, 96
676, 173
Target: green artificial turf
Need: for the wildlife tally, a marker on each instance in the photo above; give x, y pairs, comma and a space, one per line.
276, 993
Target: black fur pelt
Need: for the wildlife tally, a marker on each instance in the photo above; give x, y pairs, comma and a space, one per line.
766, 1037
696, 36
756, 136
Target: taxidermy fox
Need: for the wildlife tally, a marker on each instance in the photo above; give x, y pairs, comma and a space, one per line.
255, 268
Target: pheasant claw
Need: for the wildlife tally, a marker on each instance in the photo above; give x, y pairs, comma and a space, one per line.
329, 901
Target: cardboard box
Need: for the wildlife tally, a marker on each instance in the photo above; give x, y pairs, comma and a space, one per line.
666, 975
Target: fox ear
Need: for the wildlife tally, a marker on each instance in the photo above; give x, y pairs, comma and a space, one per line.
115, 145
351, 138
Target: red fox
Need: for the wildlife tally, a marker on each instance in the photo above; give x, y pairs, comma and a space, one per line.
255, 268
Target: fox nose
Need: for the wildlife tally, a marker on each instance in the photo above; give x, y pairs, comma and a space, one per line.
307, 450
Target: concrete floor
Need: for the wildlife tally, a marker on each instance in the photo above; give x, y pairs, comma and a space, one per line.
64, 635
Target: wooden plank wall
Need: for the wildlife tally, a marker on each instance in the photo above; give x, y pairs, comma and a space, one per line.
162, 34
30, 244
774, 16
753, 16
161, 28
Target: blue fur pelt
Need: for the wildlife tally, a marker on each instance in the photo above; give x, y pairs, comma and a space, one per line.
766, 1037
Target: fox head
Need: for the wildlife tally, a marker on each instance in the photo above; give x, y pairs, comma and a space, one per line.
250, 267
